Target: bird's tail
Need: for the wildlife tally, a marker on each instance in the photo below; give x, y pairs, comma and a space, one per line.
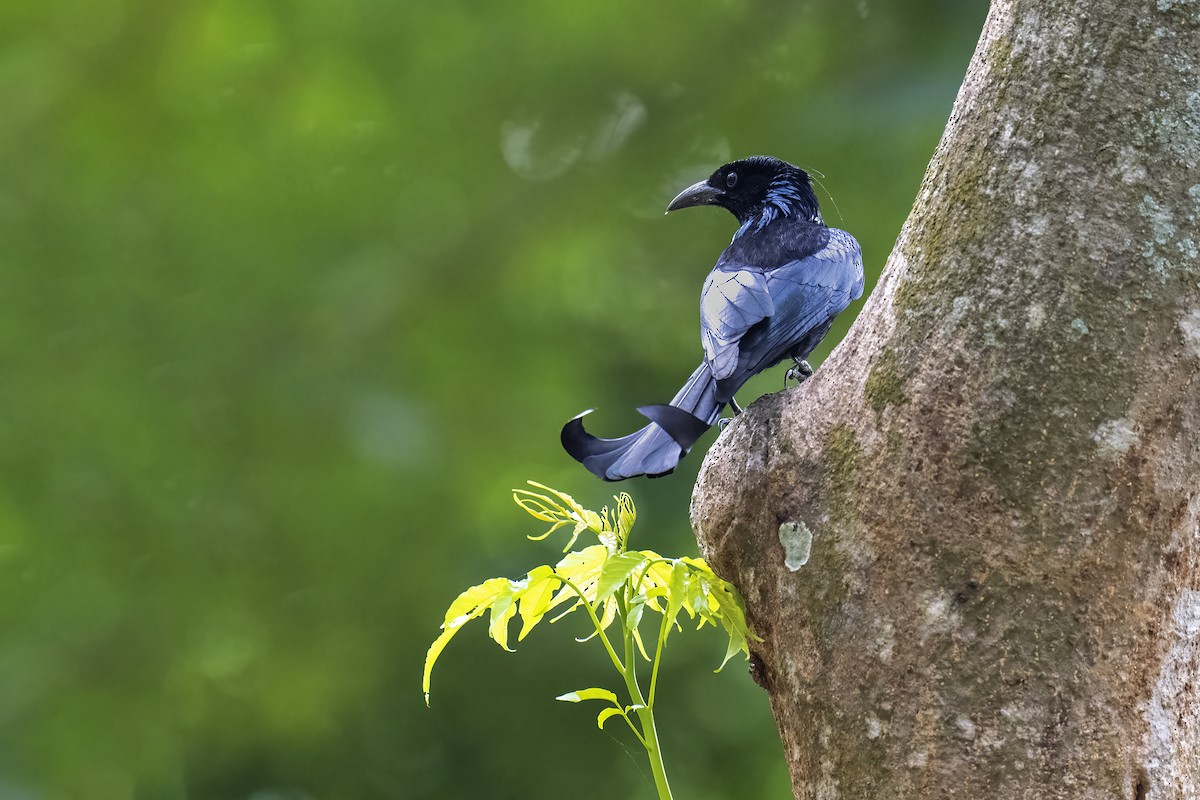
655, 449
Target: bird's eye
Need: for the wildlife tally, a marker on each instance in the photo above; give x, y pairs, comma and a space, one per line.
731, 180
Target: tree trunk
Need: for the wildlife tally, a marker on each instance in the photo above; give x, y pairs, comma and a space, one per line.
998, 469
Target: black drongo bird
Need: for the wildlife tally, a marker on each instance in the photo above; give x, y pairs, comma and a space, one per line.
772, 296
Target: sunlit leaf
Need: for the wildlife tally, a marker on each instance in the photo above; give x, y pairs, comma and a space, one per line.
626, 516
617, 571
657, 581
643, 580
589, 520
431, 657
535, 599
641, 646
608, 713
697, 597
565, 593
677, 593
606, 619
541, 507
474, 599
503, 610
583, 568
634, 617
660, 572
468, 605
569, 502
580, 695
610, 612
736, 645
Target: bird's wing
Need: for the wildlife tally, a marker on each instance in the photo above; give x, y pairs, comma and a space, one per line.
732, 302
807, 294
752, 318
843, 250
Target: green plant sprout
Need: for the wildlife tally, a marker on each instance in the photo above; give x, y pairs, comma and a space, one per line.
610, 583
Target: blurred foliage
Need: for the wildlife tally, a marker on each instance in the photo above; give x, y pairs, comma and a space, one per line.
294, 293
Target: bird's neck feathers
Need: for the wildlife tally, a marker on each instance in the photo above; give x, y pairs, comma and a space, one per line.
789, 194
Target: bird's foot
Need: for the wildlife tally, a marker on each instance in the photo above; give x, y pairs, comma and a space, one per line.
798, 373
737, 410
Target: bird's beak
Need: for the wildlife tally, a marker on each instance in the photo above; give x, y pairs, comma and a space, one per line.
698, 194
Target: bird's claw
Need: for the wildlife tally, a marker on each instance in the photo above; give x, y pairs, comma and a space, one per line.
798, 373
723, 423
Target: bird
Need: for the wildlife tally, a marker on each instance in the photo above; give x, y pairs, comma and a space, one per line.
771, 297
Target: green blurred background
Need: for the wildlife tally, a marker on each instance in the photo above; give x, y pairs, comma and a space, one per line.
294, 293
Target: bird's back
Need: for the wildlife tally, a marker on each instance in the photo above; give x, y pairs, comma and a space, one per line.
773, 295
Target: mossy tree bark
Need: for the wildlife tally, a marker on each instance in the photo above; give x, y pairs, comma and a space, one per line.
999, 468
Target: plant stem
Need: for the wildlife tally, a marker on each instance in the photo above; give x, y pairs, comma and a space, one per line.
646, 713
663, 630
653, 753
583, 600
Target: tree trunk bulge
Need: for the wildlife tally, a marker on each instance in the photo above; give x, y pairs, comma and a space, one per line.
998, 470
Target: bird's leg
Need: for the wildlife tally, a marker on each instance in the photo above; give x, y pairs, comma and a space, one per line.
723, 421
798, 373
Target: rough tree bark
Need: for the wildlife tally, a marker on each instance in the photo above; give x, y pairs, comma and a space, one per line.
999, 467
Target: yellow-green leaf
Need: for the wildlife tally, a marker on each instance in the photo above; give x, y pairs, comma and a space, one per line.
736, 644
583, 568
580, 695
610, 613
565, 593
543, 508
431, 657
536, 597
474, 599
637, 607
606, 619
626, 516
677, 593
607, 714
570, 505
617, 570
468, 605
503, 610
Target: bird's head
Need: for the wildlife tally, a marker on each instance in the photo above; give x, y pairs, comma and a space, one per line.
757, 190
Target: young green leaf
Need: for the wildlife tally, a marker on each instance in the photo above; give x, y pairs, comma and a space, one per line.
617, 570
589, 694
583, 568
626, 516
677, 593
605, 579
563, 511
503, 610
606, 619
607, 714
535, 599
637, 607
736, 645
470, 604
